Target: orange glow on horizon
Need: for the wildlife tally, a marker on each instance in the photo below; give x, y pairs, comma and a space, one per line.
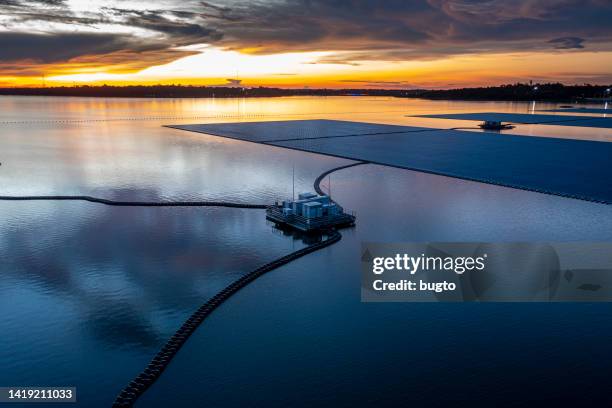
212, 66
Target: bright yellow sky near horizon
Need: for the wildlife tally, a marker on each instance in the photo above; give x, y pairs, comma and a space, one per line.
213, 66
288, 43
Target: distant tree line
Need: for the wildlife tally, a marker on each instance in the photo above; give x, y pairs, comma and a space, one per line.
523, 92
514, 92
190, 91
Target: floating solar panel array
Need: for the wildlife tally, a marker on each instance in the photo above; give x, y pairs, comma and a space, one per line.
580, 110
566, 167
527, 118
293, 129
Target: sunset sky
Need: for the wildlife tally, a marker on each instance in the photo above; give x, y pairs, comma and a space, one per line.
296, 43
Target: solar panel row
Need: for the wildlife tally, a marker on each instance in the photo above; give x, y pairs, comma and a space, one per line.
527, 118
572, 168
581, 110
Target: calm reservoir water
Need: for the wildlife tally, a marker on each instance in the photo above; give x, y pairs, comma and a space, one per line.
89, 293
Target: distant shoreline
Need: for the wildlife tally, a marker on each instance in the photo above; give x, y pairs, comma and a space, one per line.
552, 92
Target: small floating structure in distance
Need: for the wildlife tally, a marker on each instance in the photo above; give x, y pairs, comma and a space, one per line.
495, 125
310, 212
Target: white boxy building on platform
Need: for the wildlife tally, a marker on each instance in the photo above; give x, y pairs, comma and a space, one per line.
310, 212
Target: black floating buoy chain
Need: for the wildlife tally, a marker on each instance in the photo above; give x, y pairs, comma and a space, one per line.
134, 203
135, 388
317, 183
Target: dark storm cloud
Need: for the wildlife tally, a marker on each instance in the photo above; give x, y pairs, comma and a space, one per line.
320, 25
167, 30
566, 43
398, 30
48, 2
178, 26
26, 54
178, 31
56, 17
15, 13
217, 12
57, 47
392, 30
32, 2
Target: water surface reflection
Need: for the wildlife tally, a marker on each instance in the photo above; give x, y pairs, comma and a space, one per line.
89, 292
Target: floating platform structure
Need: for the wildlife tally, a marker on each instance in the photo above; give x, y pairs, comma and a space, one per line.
310, 212
566, 167
495, 125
